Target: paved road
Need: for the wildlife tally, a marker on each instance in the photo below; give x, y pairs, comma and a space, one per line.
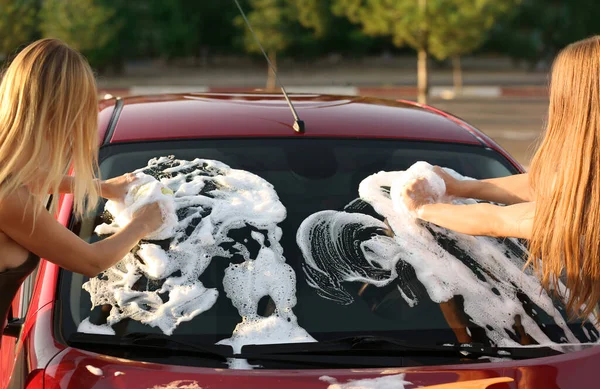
296, 75
516, 124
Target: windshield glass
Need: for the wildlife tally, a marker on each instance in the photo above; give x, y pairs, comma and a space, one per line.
275, 244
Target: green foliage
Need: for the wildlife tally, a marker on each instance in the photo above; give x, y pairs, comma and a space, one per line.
445, 28
315, 15
175, 25
85, 25
460, 27
539, 28
17, 24
274, 23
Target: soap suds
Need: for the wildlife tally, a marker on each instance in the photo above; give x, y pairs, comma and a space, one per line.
88, 328
386, 382
350, 246
209, 200
94, 370
246, 283
143, 191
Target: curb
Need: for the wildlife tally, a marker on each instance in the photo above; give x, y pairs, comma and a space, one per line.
383, 92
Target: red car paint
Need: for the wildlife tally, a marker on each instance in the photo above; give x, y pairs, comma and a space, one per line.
38, 360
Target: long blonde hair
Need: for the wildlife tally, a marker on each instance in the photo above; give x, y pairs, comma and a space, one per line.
48, 124
565, 175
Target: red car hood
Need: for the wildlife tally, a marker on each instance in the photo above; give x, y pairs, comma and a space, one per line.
79, 369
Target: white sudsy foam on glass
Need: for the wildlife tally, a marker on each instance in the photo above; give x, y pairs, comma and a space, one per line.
491, 303
246, 284
88, 328
210, 199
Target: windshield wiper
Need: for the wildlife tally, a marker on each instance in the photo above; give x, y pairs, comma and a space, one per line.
157, 342
388, 346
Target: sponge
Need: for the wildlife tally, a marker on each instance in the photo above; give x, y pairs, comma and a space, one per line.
437, 187
143, 190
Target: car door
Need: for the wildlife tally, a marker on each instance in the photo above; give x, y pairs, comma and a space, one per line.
20, 306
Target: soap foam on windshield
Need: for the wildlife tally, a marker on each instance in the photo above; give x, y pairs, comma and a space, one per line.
209, 200
392, 246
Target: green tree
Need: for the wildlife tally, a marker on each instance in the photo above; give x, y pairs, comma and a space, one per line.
17, 24
540, 28
176, 26
273, 21
461, 28
315, 15
423, 25
86, 25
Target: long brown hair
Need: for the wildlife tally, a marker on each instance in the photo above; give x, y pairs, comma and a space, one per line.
565, 175
48, 123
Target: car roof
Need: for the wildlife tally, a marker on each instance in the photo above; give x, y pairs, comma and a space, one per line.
227, 115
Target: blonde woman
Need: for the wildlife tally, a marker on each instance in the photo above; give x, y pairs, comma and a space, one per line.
48, 123
557, 206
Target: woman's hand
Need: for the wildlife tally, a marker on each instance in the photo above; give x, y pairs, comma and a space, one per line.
116, 188
150, 216
452, 184
416, 194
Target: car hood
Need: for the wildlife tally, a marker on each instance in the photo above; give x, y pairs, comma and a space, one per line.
73, 368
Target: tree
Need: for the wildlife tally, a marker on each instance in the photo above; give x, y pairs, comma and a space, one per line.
315, 15
17, 24
176, 24
461, 29
85, 25
540, 28
273, 21
423, 25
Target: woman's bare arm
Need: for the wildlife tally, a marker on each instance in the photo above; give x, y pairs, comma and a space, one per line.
52, 241
514, 221
115, 188
506, 190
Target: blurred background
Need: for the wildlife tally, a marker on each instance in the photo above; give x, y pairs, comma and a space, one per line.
486, 61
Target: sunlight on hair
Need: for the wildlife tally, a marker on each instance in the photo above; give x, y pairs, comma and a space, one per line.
564, 175
48, 124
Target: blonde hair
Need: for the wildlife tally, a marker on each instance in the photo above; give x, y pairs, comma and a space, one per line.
48, 124
565, 175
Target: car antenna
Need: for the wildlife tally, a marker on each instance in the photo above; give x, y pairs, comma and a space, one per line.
298, 124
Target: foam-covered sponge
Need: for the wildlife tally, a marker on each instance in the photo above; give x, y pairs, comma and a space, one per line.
437, 187
143, 190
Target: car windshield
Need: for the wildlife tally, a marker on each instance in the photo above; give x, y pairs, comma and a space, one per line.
277, 244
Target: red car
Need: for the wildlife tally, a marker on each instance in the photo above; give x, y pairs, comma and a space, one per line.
286, 272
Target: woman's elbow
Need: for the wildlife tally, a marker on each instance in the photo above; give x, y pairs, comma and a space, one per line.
94, 266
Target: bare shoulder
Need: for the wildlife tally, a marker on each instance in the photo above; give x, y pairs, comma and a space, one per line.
14, 207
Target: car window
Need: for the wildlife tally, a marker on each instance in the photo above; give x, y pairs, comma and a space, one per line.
278, 233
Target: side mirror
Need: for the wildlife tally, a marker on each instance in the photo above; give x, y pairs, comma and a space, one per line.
13, 328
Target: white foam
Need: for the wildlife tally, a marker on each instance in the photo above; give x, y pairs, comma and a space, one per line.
217, 199
88, 328
94, 370
395, 381
246, 284
491, 303
421, 170
144, 190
